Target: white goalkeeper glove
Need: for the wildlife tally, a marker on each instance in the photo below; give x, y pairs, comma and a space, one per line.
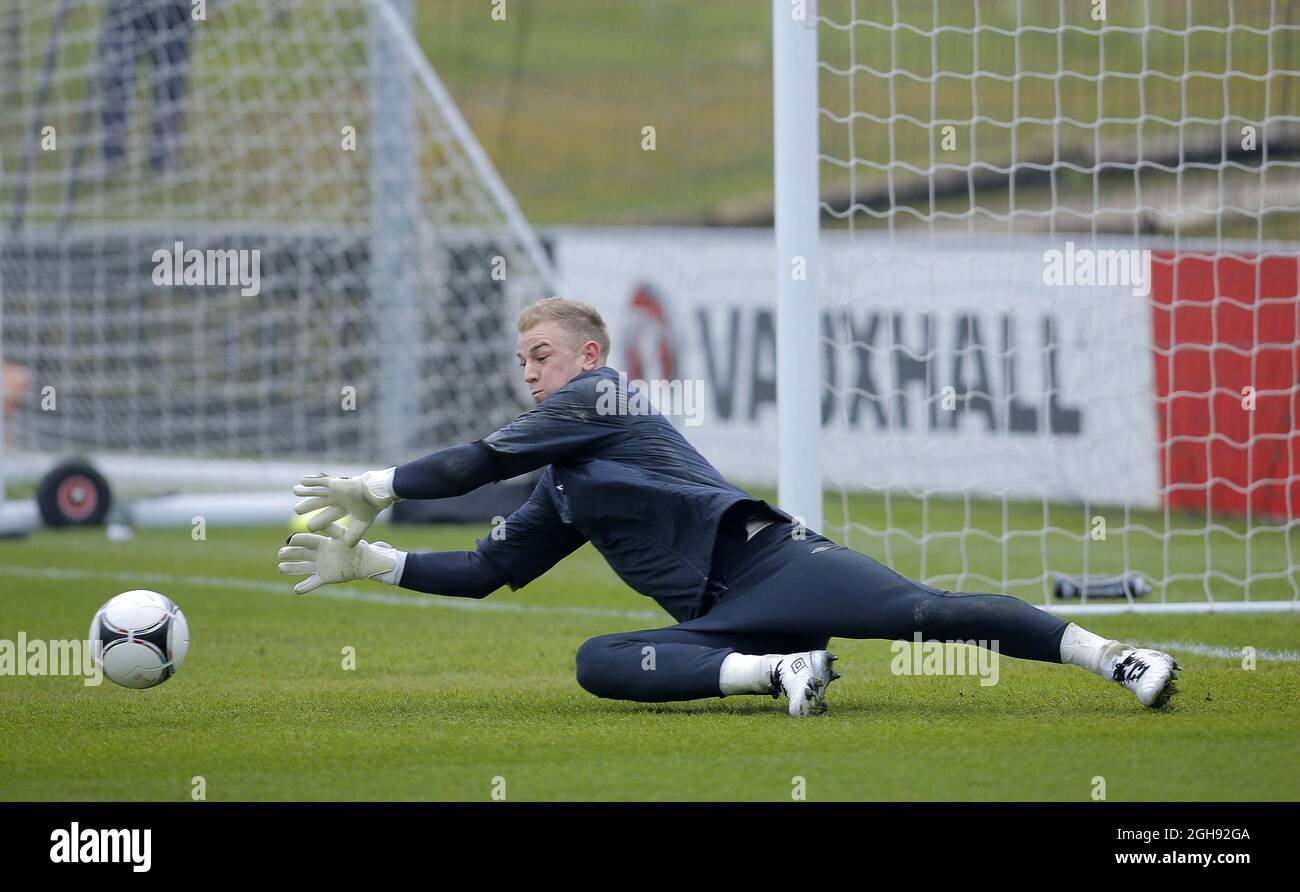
359, 498
328, 559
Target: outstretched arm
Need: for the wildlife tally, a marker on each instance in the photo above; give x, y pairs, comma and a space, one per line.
568, 422
527, 544
324, 558
462, 574
445, 473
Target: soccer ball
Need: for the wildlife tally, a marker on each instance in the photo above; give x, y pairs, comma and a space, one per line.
140, 638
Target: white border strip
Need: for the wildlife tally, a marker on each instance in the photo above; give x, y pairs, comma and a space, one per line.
1226, 653
1292, 606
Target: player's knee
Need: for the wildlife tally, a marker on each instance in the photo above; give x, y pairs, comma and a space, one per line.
597, 669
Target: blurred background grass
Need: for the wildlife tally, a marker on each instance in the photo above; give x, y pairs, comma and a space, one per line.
559, 93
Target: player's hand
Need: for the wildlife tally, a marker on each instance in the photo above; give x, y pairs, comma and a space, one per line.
325, 559
358, 498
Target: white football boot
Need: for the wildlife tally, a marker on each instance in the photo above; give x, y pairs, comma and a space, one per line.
804, 678
1149, 674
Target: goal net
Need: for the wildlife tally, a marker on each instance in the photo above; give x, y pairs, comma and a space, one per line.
1058, 278
243, 233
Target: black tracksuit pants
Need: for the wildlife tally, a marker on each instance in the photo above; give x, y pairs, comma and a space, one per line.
779, 594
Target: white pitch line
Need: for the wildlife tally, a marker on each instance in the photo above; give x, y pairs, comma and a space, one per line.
335, 592
352, 594
1227, 653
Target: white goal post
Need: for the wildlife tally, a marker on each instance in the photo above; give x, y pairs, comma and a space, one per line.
1037, 266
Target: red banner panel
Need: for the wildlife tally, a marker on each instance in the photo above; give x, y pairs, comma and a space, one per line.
1223, 325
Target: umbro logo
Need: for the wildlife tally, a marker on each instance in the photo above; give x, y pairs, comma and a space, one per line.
798, 665
1131, 670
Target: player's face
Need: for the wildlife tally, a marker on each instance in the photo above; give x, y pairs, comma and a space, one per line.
549, 359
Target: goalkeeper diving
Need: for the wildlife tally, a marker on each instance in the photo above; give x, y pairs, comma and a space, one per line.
756, 597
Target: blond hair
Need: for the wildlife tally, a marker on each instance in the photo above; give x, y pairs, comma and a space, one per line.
578, 319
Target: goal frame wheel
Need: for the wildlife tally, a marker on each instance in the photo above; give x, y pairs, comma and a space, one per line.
73, 494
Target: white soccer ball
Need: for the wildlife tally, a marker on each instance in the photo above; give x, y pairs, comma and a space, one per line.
140, 638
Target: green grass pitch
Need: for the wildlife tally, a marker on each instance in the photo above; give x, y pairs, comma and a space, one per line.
448, 695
